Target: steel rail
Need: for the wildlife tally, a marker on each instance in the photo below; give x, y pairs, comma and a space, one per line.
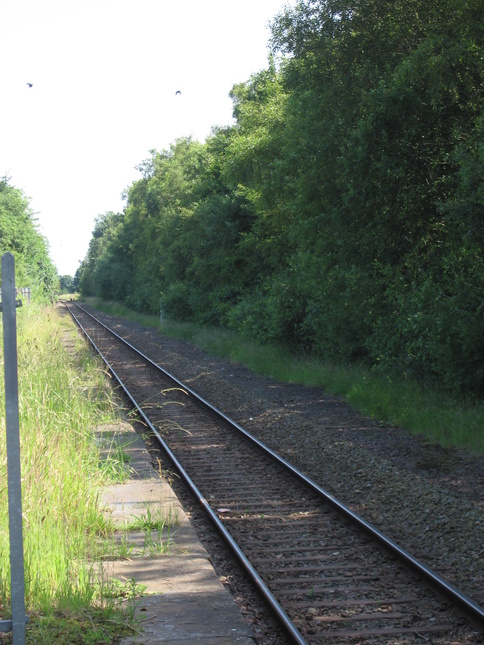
286, 622
438, 582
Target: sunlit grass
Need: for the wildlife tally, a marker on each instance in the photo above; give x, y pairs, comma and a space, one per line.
420, 409
61, 400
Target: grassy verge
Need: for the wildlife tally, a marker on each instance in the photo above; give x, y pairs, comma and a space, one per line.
421, 410
61, 400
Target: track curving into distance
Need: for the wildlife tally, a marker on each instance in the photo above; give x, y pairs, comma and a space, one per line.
328, 575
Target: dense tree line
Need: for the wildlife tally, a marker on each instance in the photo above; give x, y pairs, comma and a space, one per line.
343, 211
20, 236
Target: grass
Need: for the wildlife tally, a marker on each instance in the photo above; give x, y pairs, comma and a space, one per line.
423, 410
156, 528
61, 400
113, 459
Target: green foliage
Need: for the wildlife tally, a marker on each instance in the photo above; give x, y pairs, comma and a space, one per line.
19, 236
343, 211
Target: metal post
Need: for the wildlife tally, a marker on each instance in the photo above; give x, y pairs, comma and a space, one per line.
9, 304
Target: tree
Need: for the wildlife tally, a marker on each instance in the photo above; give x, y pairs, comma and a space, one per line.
66, 284
19, 236
105, 270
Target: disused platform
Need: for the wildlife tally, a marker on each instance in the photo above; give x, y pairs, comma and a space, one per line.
183, 602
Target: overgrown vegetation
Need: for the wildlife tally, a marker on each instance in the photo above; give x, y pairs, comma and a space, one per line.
61, 400
343, 211
400, 401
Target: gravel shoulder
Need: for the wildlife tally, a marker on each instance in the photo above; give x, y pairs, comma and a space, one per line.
428, 499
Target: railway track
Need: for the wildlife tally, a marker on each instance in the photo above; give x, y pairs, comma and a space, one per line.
327, 574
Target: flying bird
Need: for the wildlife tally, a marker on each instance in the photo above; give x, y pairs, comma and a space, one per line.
30, 84
178, 92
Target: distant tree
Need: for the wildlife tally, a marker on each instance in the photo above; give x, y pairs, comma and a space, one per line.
66, 284
75, 284
104, 271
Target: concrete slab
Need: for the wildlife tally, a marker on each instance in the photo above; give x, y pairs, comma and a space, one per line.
189, 618
184, 602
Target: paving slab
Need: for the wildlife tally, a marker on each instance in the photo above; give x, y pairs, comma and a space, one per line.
184, 602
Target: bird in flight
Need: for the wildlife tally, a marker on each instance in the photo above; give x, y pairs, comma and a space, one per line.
178, 92
30, 84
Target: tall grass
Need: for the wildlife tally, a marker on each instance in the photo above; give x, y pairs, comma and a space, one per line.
61, 399
422, 409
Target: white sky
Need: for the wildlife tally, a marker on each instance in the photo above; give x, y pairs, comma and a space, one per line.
104, 76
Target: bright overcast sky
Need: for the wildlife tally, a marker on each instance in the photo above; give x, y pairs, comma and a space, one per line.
105, 75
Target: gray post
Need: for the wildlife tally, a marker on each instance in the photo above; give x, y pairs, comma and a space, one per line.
9, 304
